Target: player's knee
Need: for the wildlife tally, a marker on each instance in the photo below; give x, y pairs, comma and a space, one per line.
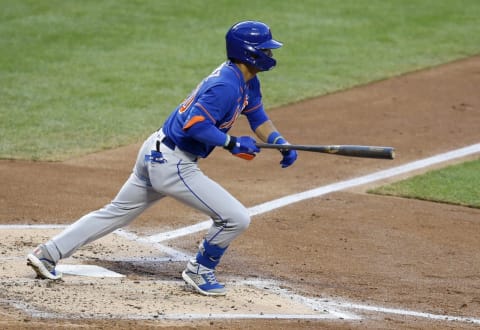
119, 213
242, 220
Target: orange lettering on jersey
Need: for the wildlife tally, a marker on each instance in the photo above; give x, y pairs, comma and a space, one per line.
238, 111
230, 123
188, 101
245, 102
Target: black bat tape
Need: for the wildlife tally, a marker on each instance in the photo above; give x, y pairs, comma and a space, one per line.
342, 150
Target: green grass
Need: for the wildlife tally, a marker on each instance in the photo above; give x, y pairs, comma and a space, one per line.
81, 76
457, 184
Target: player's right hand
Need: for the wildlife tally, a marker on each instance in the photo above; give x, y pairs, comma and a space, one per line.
289, 157
244, 147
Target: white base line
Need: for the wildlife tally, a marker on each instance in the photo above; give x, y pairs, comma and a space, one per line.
284, 201
248, 316
404, 312
281, 202
328, 308
174, 254
33, 226
327, 303
287, 200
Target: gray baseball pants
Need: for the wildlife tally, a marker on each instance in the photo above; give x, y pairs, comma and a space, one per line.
176, 174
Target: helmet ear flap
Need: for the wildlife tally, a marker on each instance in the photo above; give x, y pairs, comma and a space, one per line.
251, 53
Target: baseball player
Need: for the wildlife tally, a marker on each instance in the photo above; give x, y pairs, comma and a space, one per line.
167, 162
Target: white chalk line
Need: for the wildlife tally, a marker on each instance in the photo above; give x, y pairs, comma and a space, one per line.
404, 312
323, 308
44, 227
319, 310
174, 254
317, 192
327, 303
314, 304
284, 201
268, 206
36, 313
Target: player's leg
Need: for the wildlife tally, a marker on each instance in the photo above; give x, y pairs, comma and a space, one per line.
189, 185
230, 219
134, 197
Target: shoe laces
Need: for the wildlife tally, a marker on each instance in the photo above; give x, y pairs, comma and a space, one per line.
211, 278
48, 264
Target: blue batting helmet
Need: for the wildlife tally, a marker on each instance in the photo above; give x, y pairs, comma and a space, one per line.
249, 42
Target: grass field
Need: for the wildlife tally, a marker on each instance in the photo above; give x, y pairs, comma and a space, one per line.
457, 184
82, 76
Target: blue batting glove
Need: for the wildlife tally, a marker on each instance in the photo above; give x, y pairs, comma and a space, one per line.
289, 157
243, 146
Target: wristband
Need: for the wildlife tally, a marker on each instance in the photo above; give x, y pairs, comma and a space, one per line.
230, 142
227, 140
276, 138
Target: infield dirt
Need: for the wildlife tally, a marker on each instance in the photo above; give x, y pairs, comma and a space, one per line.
347, 245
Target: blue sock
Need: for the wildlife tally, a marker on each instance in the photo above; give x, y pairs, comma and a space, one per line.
209, 255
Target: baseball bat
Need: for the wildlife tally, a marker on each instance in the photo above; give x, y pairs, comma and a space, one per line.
343, 150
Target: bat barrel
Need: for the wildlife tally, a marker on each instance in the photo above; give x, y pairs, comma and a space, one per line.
341, 150
365, 151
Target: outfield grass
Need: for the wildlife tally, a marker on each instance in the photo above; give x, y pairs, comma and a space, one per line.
81, 76
457, 184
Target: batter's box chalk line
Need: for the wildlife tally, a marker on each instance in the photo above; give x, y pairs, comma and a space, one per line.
322, 309
300, 307
335, 306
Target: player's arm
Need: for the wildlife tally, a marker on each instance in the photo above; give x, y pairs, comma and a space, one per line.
267, 132
263, 126
202, 129
266, 129
205, 112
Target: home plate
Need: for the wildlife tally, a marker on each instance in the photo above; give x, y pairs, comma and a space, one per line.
87, 270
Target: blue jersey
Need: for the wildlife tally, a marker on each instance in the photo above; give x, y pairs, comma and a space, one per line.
219, 99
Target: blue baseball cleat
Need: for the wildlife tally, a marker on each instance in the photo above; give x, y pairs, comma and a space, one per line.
42, 264
203, 280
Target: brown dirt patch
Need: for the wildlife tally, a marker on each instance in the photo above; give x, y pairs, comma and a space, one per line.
373, 250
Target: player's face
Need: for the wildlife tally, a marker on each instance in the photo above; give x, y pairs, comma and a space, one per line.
267, 52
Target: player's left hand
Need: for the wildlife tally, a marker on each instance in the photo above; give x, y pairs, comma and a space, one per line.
289, 157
